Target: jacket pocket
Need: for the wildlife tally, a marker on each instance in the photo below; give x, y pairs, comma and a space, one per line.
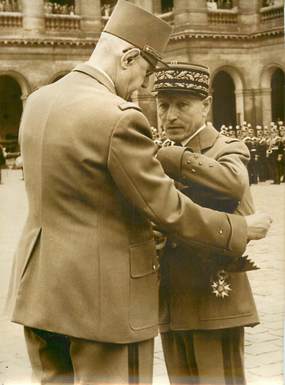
143, 309
143, 259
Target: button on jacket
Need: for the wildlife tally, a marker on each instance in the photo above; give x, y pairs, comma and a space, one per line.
85, 262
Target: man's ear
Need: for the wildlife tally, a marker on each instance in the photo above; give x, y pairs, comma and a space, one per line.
129, 57
207, 105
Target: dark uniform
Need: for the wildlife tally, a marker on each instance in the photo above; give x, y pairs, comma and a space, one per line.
275, 152
262, 169
251, 143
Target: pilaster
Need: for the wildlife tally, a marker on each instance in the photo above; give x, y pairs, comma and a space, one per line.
193, 12
33, 15
90, 11
266, 105
249, 13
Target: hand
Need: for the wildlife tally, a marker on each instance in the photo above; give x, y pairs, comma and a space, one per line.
160, 240
258, 225
159, 237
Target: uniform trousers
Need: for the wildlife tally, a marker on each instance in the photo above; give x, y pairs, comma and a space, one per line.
208, 357
59, 359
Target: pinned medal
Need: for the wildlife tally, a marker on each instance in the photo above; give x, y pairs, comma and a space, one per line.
221, 287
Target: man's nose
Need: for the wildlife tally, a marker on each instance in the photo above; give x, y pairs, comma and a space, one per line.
171, 113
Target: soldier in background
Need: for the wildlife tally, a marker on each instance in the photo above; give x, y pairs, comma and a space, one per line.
274, 152
251, 142
2, 160
262, 169
282, 148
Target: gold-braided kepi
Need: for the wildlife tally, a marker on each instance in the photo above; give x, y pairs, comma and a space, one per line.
183, 77
141, 29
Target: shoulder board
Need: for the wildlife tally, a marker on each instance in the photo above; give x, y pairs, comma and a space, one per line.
128, 105
231, 140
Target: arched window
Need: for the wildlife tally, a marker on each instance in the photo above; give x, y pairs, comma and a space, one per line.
60, 7
224, 102
10, 112
166, 6
278, 95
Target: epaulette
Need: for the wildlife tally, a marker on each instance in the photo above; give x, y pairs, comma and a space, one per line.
232, 140
128, 105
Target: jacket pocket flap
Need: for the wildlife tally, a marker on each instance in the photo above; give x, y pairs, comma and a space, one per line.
143, 259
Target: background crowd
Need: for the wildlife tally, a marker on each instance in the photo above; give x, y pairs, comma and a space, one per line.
266, 145
53, 7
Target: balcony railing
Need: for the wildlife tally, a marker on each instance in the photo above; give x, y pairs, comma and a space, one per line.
223, 16
62, 23
271, 13
11, 20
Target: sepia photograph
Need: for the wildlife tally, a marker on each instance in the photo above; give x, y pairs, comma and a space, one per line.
142, 192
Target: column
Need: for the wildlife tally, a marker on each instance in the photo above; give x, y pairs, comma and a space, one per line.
266, 106
239, 106
90, 12
193, 12
258, 105
249, 13
33, 15
156, 4
249, 106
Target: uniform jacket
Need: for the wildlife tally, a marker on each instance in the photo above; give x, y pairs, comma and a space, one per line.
86, 264
214, 176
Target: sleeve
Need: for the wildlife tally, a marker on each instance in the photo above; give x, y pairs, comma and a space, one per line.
226, 174
140, 177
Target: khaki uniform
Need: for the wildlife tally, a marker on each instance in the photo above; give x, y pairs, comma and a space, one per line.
193, 320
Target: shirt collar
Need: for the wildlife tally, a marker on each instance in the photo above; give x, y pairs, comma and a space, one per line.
203, 140
186, 141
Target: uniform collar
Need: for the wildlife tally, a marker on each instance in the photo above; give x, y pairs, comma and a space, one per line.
97, 74
205, 139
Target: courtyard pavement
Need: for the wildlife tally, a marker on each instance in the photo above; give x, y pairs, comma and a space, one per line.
264, 343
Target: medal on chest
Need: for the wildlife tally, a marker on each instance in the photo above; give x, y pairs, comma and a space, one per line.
220, 285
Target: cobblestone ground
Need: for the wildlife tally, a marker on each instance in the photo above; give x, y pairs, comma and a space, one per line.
264, 343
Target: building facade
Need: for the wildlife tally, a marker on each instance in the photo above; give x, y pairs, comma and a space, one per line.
241, 41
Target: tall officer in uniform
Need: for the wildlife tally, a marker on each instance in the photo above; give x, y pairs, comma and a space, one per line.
85, 282
205, 300
262, 168
251, 142
282, 147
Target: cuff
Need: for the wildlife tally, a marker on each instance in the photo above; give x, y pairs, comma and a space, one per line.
171, 160
238, 237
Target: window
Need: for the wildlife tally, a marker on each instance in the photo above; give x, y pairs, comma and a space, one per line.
166, 6
268, 3
60, 7
219, 4
107, 7
9, 6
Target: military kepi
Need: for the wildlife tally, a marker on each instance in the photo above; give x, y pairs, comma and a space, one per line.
139, 28
183, 77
